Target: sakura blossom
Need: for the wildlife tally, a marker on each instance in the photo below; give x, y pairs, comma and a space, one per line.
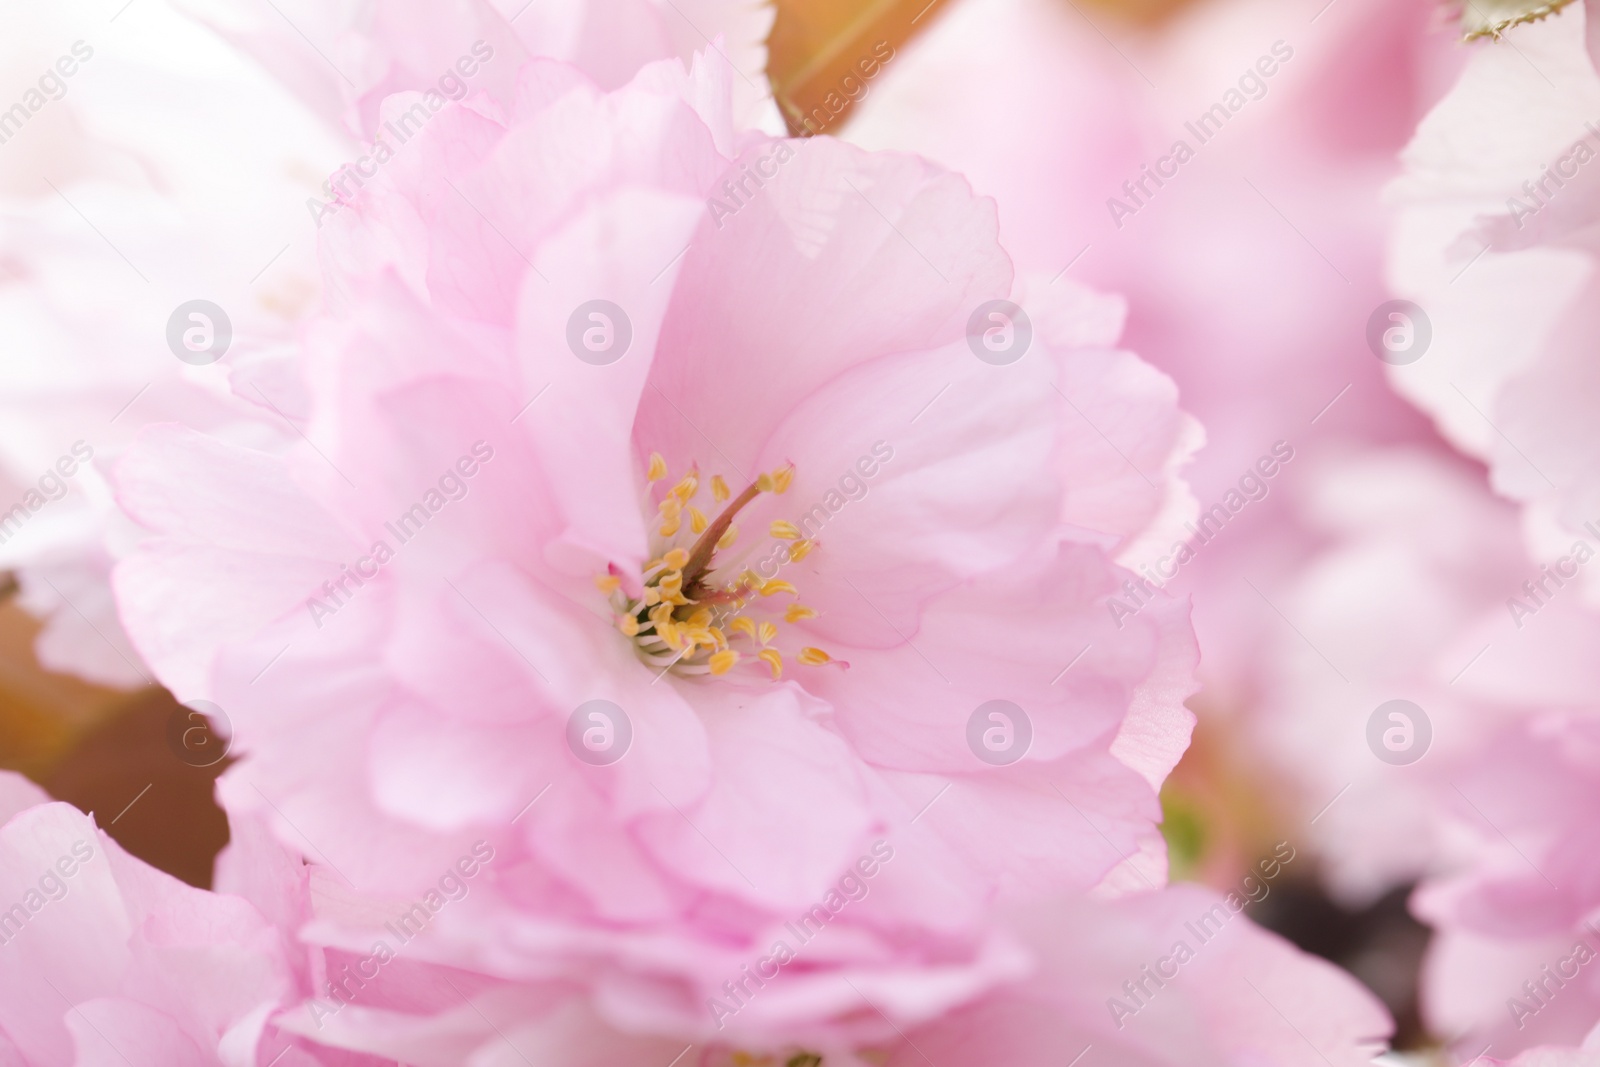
690, 561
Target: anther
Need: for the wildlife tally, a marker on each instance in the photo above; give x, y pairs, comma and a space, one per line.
774, 661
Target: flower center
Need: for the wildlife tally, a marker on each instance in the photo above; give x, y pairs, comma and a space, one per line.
699, 613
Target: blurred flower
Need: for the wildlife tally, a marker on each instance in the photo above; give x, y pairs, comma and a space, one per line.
1405, 600
1494, 239
105, 960
118, 207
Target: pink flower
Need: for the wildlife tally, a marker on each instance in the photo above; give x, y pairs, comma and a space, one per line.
104, 960
572, 347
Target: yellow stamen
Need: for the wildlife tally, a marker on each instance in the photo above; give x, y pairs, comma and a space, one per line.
671, 516
797, 612
700, 631
773, 659
607, 583
670, 634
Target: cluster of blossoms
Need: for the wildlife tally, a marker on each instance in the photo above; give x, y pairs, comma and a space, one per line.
655, 633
